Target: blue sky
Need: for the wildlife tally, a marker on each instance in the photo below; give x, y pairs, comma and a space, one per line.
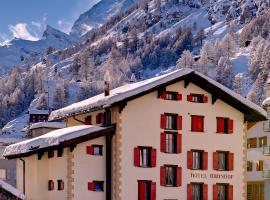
27, 19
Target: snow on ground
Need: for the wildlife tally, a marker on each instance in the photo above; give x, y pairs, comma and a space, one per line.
13, 132
11, 189
52, 138
240, 60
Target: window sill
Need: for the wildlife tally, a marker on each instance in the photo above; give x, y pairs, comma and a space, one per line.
197, 131
145, 167
171, 186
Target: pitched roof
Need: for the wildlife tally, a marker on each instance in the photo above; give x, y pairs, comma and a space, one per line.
128, 92
58, 138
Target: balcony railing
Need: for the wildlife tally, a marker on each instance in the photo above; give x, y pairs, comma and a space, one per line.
266, 126
266, 151
266, 174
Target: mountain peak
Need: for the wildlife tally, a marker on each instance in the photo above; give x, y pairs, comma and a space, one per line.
53, 32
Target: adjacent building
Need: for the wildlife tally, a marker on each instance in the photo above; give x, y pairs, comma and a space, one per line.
258, 154
176, 136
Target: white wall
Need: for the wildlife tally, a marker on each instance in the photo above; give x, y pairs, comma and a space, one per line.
141, 126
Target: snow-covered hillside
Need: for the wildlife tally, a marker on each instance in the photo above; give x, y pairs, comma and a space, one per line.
24, 51
99, 14
147, 39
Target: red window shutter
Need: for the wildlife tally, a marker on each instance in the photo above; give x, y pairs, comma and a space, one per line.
215, 160
62, 185
197, 123
189, 160
136, 156
189, 98
230, 161
230, 192
189, 192
153, 191
163, 95
220, 125
179, 143
142, 190
205, 99
179, 122
230, 126
97, 121
179, 176
215, 192
90, 150
205, 160
179, 97
153, 158
205, 191
91, 186
51, 185
102, 118
162, 176
87, 120
163, 121
163, 142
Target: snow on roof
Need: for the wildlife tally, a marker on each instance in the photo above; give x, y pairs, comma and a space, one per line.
52, 138
266, 102
48, 125
41, 112
11, 189
117, 94
129, 90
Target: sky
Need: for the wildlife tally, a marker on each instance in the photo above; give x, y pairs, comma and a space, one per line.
27, 19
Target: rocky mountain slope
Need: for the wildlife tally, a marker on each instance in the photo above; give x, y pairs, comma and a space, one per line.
149, 38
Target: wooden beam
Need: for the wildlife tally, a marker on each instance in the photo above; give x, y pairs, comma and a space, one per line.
122, 105
187, 81
214, 98
160, 91
72, 147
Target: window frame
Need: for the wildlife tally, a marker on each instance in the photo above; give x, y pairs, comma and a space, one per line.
148, 188
59, 182
201, 189
259, 165
149, 158
174, 116
226, 160
251, 145
200, 152
225, 185
174, 142
100, 147
96, 182
174, 168
249, 166
261, 140
199, 96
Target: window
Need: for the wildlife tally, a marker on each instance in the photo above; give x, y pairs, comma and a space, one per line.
259, 165
167, 95
263, 141
96, 150
222, 191
100, 118
170, 176
146, 190
249, 166
197, 98
252, 143
50, 185
171, 142
88, 120
60, 185
255, 190
144, 157
171, 121
197, 191
197, 123
223, 161
3, 174
96, 186
224, 125
197, 160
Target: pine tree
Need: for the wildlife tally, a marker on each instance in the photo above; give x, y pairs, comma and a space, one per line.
186, 60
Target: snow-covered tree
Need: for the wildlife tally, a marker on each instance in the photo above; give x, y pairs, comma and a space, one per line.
224, 72
42, 102
228, 45
59, 97
239, 84
186, 60
256, 94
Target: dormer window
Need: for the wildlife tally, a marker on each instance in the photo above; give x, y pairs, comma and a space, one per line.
197, 98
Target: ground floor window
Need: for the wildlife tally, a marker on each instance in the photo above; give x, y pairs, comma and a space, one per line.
146, 190
197, 192
222, 192
255, 191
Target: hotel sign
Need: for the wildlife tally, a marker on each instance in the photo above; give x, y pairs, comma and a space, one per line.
211, 176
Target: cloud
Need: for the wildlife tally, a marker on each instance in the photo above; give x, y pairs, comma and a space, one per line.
21, 30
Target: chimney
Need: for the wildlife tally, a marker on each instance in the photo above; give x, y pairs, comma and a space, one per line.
107, 80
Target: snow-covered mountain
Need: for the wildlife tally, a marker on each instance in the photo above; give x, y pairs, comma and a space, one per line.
19, 50
99, 14
146, 40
